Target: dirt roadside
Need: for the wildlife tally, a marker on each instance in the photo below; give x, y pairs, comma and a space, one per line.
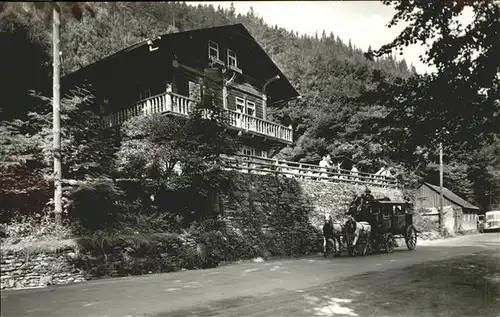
464, 286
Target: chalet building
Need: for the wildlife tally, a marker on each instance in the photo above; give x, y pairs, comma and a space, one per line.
165, 76
428, 198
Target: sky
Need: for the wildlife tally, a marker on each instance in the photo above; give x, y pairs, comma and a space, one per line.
363, 22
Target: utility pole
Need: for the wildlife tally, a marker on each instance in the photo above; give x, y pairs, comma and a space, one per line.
489, 196
441, 220
56, 106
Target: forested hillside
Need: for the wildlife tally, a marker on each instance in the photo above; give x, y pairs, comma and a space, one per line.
336, 115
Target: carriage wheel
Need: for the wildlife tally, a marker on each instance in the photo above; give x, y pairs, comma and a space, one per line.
389, 243
411, 237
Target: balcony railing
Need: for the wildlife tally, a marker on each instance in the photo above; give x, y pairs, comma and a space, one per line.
169, 102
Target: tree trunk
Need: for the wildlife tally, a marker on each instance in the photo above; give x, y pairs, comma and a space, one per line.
56, 22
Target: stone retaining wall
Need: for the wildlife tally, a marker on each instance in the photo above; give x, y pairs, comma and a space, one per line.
256, 204
22, 270
315, 198
330, 198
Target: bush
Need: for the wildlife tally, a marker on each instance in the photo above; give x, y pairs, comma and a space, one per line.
211, 238
301, 241
124, 207
223, 243
94, 206
204, 245
23, 228
22, 195
131, 255
426, 223
213, 245
121, 255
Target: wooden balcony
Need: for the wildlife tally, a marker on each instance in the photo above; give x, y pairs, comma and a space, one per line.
172, 103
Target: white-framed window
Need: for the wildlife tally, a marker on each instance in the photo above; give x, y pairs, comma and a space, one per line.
245, 106
246, 150
231, 58
264, 154
213, 50
250, 109
240, 105
145, 94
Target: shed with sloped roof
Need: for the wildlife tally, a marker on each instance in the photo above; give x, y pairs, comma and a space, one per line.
428, 198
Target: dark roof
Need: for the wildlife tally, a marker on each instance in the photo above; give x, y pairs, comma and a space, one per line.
236, 29
448, 194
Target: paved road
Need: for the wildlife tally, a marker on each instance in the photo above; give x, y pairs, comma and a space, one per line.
249, 289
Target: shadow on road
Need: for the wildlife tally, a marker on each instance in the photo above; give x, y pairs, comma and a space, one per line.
466, 286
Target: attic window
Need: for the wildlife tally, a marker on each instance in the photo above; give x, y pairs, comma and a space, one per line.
250, 108
213, 50
231, 59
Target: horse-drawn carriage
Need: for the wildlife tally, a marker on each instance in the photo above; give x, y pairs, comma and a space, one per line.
373, 226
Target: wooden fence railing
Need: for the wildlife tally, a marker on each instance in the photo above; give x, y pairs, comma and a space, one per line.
260, 165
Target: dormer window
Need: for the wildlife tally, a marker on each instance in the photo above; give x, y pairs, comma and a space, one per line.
213, 50
231, 59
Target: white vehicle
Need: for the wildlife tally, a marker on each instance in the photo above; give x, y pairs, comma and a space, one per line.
492, 220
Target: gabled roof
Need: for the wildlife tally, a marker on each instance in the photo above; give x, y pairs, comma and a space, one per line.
448, 194
234, 29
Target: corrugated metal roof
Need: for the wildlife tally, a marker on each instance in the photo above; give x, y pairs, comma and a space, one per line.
448, 194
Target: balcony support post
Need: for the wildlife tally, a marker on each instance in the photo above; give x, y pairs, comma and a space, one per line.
224, 96
169, 97
264, 106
